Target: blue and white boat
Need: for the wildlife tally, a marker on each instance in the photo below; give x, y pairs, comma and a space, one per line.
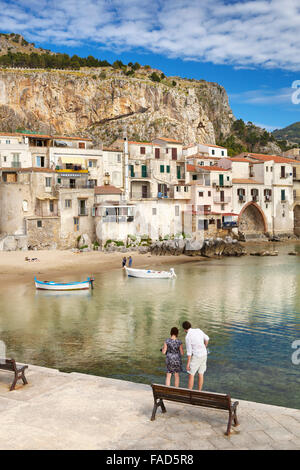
48, 285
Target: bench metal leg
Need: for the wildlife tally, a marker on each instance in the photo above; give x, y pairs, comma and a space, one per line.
227, 433
158, 403
154, 411
12, 387
232, 416
24, 378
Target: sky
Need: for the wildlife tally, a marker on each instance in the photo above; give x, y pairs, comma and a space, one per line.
249, 47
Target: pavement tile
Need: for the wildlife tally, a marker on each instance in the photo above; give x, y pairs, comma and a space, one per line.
77, 411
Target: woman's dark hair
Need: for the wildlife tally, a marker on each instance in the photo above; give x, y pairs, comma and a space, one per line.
186, 325
174, 331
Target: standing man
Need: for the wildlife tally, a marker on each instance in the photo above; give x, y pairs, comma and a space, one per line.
130, 261
196, 343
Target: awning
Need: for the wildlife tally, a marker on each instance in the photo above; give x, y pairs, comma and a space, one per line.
73, 160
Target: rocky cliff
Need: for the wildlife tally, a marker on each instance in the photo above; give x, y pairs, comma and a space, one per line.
101, 103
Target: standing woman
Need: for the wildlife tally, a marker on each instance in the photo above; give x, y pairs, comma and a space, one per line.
173, 350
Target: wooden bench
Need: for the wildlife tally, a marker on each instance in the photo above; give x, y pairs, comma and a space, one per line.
194, 397
19, 371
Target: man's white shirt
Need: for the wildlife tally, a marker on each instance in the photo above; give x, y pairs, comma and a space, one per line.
194, 342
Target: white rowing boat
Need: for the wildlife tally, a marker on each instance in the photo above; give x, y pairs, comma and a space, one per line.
48, 285
150, 274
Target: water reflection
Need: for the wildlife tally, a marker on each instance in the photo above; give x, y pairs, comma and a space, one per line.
248, 306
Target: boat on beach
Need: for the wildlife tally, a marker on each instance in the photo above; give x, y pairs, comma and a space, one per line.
150, 274
63, 286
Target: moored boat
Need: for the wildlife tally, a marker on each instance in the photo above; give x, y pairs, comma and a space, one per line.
49, 285
150, 274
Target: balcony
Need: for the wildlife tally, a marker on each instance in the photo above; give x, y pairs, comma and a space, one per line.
83, 211
16, 164
220, 200
231, 224
140, 174
242, 199
75, 184
118, 218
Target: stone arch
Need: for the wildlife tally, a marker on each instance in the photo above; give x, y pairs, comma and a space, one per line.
297, 219
252, 219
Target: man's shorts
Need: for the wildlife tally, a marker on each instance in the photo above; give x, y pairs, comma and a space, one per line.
198, 364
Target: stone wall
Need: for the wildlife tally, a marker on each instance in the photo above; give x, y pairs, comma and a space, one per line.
45, 237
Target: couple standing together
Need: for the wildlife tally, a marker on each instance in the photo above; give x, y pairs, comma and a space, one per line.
196, 342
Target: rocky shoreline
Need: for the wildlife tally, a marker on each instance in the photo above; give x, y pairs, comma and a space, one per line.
208, 248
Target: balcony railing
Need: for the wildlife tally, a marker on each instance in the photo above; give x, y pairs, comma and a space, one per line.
16, 165
224, 200
118, 218
83, 211
76, 185
140, 195
230, 224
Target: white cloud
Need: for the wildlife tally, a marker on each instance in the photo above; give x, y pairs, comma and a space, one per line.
249, 33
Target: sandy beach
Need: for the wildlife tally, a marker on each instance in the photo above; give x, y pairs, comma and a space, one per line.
68, 265
75, 266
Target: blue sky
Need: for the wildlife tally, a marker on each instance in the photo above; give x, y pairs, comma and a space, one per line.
249, 47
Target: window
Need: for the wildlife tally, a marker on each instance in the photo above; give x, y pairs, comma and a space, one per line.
178, 189
157, 153
174, 153
282, 172
16, 160
25, 205
4, 159
267, 169
119, 158
283, 195
294, 172
92, 163
76, 224
131, 169
268, 194
213, 152
142, 150
176, 211
168, 168
39, 224
7, 142
154, 211
222, 153
51, 206
48, 182
68, 203
271, 168
200, 193
202, 163
209, 193
40, 162
222, 207
81, 145
162, 168
194, 177
186, 189
254, 194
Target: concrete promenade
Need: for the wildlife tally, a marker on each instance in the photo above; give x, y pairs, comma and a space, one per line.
75, 411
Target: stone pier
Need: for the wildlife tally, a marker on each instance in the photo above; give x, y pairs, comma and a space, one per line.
58, 410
